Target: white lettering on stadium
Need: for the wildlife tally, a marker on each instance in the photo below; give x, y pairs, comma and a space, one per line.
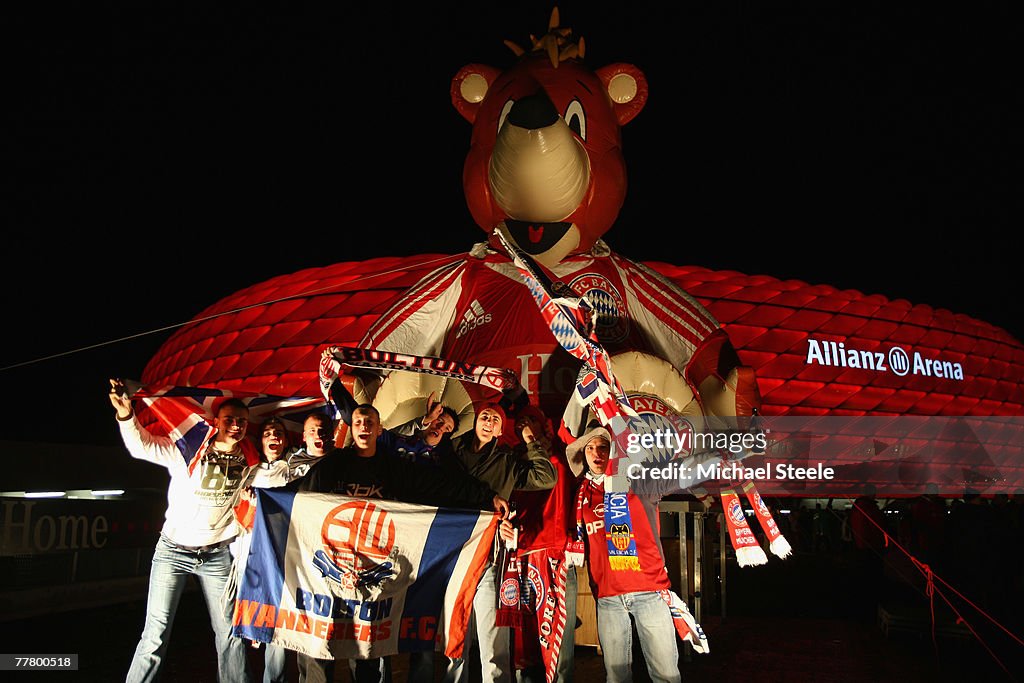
895, 360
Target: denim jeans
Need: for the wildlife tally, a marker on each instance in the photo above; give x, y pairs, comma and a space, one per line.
274, 660
421, 666
167, 580
495, 660
313, 670
653, 625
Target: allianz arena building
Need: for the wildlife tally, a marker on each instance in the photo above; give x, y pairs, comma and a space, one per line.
817, 351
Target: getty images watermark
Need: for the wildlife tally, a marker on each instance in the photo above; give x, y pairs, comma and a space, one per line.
839, 455
665, 442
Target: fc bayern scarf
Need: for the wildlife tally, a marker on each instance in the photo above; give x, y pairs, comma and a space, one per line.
777, 542
531, 601
748, 551
570, 319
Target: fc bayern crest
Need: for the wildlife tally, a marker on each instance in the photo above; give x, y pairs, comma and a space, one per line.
612, 324
658, 415
736, 512
760, 504
509, 593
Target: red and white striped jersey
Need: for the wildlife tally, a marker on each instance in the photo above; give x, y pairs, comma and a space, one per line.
479, 310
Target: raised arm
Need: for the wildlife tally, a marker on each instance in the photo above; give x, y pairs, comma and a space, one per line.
434, 410
535, 472
343, 401
646, 480
140, 443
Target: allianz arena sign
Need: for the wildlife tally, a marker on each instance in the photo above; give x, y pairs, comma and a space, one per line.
895, 359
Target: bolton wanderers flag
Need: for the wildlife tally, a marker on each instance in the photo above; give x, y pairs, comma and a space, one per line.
356, 578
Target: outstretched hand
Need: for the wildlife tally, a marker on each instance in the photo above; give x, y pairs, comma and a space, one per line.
119, 399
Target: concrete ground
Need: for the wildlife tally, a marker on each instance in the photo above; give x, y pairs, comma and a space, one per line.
799, 620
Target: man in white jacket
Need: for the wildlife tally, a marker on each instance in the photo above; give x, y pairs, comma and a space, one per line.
199, 526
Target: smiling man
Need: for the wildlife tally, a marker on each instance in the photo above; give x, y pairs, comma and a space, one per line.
200, 524
365, 469
317, 441
481, 454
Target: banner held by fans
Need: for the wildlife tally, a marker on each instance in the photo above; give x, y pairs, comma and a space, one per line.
352, 578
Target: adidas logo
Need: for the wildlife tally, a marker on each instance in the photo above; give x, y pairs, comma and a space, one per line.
474, 317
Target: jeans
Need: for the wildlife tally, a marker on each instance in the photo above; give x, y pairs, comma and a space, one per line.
274, 663
495, 660
653, 625
565, 672
421, 667
167, 580
313, 670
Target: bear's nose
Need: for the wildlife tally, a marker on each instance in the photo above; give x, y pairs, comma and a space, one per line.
533, 112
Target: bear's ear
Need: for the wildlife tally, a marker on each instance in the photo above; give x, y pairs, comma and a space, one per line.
626, 88
469, 87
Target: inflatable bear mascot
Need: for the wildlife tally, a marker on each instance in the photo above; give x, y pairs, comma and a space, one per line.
546, 173
545, 179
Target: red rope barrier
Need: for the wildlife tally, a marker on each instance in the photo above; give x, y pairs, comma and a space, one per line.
931, 590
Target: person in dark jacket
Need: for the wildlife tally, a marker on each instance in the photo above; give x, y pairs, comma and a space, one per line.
363, 470
482, 455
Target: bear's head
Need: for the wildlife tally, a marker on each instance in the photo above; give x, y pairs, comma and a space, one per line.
545, 165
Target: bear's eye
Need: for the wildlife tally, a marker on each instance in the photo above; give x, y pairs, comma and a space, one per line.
504, 112
576, 119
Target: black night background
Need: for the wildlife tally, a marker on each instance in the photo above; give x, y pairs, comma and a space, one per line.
163, 159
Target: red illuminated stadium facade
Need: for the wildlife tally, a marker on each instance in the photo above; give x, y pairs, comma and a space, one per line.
888, 366
816, 350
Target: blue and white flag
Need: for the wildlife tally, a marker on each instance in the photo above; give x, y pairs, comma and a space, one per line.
354, 578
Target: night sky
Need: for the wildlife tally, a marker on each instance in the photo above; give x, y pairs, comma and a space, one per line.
164, 159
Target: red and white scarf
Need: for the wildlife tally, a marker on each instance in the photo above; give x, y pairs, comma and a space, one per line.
531, 601
777, 543
744, 543
499, 379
